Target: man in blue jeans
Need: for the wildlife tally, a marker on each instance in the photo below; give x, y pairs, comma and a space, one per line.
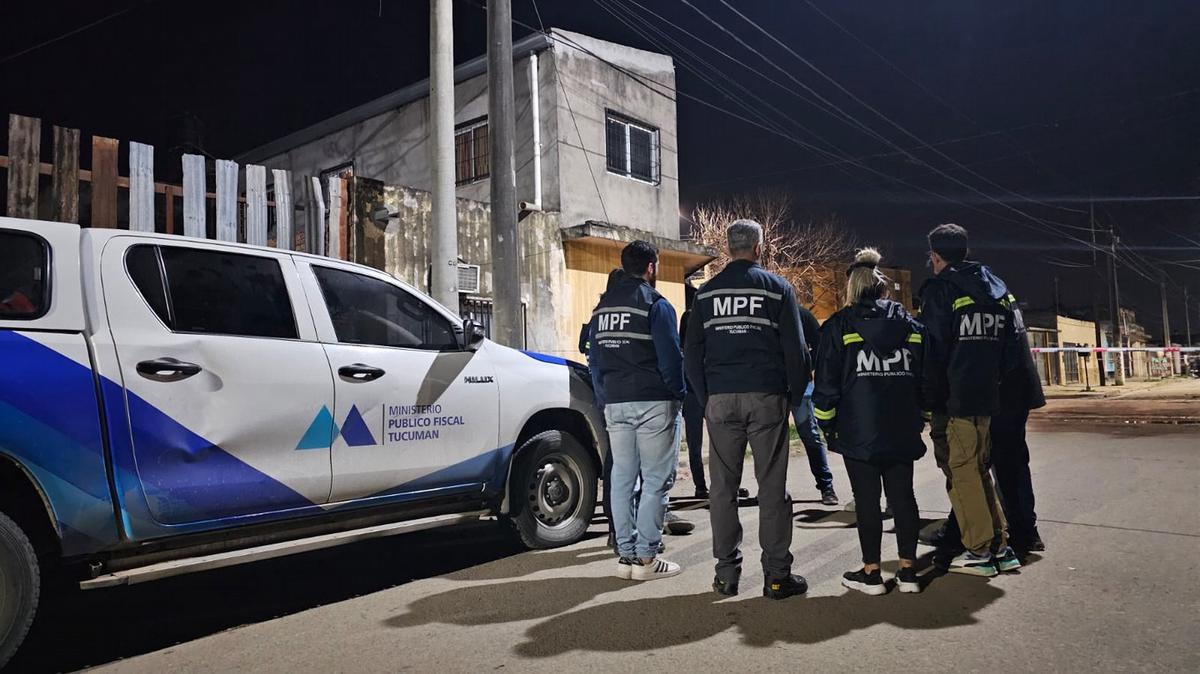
638, 367
806, 423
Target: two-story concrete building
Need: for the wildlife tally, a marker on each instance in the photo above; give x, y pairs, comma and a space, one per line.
596, 166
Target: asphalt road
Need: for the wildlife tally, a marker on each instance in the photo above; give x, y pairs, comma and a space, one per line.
1115, 592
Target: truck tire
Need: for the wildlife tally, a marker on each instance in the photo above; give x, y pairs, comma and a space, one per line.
553, 490
20, 584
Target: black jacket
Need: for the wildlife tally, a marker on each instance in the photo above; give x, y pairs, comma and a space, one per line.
635, 359
744, 336
812, 331
868, 387
972, 339
1021, 387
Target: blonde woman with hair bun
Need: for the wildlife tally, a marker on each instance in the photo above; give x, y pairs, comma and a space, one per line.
868, 402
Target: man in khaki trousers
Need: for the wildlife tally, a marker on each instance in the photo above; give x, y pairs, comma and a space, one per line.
973, 341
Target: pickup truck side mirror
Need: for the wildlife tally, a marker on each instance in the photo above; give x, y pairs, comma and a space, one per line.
472, 335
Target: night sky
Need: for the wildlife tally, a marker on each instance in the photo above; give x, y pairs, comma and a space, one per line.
1038, 105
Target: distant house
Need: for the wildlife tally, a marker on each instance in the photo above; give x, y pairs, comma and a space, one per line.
600, 148
828, 294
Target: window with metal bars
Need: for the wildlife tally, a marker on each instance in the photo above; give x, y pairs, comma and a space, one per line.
632, 148
471, 151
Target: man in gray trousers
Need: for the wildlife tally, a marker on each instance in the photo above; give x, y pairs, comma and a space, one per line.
746, 358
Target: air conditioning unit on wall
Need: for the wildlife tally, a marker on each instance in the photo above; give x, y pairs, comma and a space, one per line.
468, 278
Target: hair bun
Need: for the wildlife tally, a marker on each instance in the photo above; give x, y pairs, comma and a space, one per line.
867, 256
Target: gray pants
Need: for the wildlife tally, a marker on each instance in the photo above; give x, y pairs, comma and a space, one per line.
760, 419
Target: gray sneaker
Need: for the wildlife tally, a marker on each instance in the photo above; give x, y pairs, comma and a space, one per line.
675, 525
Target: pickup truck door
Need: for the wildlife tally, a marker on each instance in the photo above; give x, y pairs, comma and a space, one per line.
416, 414
229, 394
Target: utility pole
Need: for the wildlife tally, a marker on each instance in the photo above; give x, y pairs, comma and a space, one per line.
444, 255
1187, 315
508, 319
1101, 358
1115, 300
1166, 328
1057, 310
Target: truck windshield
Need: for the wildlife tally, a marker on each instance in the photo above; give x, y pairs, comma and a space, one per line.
24, 267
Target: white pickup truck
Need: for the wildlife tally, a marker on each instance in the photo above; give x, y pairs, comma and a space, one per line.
170, 405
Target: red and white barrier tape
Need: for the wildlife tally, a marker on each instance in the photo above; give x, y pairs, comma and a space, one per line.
1115, 349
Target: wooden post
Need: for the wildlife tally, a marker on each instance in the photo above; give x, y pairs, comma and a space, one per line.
24, 165
141, 187
336, 188
169, 210
317, 246
195, 197
284, 236
256, 205
64, 185
343, 223
104, 182
227, 194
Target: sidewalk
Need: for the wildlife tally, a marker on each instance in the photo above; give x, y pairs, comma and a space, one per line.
1078, 391
1173, 401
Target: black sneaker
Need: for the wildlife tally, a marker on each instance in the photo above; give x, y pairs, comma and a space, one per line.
701, 494
728, 588
829, 497
788, 586
907, 580
867, 583
1035, 543
934, 538
675, 525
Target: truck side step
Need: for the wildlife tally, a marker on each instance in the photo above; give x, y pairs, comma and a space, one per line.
179, 567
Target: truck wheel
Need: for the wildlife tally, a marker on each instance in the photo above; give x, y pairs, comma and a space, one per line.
553, 493
20, 583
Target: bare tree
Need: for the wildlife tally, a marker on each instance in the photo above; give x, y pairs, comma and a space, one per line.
806, 253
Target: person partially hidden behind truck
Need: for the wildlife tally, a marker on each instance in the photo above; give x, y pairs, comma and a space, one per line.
972, 343
639, 375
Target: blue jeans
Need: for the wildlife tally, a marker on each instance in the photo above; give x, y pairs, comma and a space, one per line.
644, 440
814, 444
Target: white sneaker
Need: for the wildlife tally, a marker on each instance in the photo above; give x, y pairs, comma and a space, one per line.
625, 568
655, 569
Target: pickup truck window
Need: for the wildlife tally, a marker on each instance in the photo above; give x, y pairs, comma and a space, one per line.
24, 268
209, 291
366, 310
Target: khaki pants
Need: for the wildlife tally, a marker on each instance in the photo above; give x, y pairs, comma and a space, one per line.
962, 447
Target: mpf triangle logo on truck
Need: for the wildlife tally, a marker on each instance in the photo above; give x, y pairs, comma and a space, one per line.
355, 431
323, 430
320, 432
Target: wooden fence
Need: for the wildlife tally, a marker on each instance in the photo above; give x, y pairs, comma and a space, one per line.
246, 209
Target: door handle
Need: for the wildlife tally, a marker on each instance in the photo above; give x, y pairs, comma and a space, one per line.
167, 369
360, 372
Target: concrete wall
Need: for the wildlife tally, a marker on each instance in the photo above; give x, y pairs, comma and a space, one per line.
543, 290
1074, 332
592, 87
394, 147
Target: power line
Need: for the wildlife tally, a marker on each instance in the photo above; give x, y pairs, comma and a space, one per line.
1046, 225
925, 89
72, 32
587, 160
